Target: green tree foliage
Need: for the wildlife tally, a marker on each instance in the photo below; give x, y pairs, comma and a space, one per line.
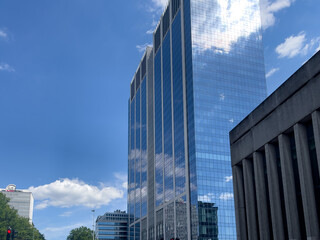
10, 217
81, 233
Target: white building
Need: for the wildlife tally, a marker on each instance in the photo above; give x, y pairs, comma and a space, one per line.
21, 200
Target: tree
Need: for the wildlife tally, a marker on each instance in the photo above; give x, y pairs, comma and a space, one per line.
81, 233
10, 217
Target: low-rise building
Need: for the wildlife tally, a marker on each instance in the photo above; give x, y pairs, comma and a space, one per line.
275, 154
112, 225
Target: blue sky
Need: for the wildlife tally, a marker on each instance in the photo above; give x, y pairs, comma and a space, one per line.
65, 70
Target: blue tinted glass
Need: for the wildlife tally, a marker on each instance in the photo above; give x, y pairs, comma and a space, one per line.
137, 231
143, 149
179, 155
158, 128
138, 158
167, 119
190, 118
228, 82
129, 151
131, 158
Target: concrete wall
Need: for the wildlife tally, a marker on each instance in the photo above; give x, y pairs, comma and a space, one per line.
295, 99
275, 155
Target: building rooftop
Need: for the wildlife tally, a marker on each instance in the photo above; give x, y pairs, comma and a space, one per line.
13, 188
117, 215
301, 77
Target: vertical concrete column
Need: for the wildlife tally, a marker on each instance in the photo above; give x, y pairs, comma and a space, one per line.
261, 192
289, 190
250, 200
316, 132
306, 182
274, 192
239, 203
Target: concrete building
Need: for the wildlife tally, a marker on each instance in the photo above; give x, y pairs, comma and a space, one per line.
204, 73
113, 225
21, 200
275, 154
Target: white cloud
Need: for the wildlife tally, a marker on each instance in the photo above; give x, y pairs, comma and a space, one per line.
292, 46
206, 198
228, 178
160, 3
155, 6
63, 228
74, 192
226, 196
122, 178
210, 197
269, 8
272, 71
222, 96
296, 45
142, 48
3, 34
6, 67
318, 49
150, 31
66, 214
61, 232
213, 23
154, 22
309, 46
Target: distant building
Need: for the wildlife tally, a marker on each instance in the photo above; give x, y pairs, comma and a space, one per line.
275, 153
112, 225
208, 219
21, 200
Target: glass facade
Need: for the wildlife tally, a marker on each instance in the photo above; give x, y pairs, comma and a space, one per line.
228, 83
139, 155
208, 73
143, 148
158, 128
179, 154
131, 185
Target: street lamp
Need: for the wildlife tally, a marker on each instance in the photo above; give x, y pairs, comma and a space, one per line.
92, 223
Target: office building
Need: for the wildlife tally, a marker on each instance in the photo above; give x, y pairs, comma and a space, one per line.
113, 225
203, 74
21, 200
275, 155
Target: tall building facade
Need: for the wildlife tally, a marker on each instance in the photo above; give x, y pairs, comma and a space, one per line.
21, 200
204, 73
275, 154
112, 225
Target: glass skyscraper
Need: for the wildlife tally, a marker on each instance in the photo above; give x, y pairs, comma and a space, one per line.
204, 73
